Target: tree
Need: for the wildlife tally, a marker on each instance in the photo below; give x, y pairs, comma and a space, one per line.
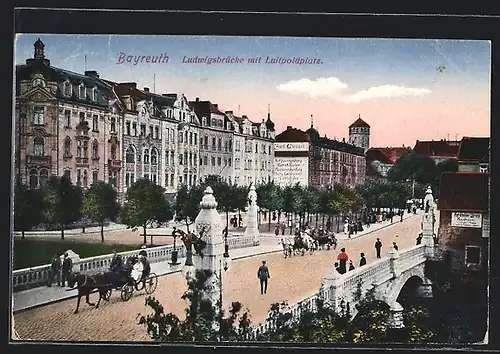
414, 166
145, 202
269, 197
224, 193
187, 204
28, 206
62, 202
199, 325
100, 203
311, 200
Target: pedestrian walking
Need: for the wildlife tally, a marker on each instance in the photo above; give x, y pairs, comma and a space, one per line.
55, 270
263, 275
401, 213
283, 226
395, 246
378, 247
351, 266
66, 268
362, 260
419, 238
277, 229
343, 257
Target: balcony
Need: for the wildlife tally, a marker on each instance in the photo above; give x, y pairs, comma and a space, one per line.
39, 160
115, 164
82, 161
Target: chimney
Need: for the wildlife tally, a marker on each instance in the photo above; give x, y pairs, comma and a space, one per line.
343, 140
197, 99
288, 127
229, 112
92, 73
244, 116
216, 106
146, 89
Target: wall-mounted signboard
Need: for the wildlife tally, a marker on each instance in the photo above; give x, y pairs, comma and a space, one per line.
463, 219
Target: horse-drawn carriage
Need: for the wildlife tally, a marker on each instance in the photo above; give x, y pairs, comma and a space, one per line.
308, 241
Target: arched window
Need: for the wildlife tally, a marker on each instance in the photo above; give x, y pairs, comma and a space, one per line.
33, 178
44, 176
85, 149
38, 147
154, 156
130, 155
113, 152
67, 147
113, 124
67, 89
146, 156
82, 91
95, 150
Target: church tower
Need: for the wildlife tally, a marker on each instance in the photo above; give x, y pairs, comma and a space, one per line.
359, 134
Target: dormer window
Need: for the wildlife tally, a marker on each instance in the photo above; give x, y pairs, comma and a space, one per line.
67, 89
81, 91
94, 94
204, 121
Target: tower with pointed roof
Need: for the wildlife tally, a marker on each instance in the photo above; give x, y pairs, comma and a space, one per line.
359, 134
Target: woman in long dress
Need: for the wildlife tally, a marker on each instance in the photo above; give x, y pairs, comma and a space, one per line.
137, 269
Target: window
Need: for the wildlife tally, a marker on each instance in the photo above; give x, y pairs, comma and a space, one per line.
190, 138
154, 157
67, 117
472, 255
146, 175
180, 159
205, 160
229, 162
256, 148
67, 147
95, 123
94, 94
195, 138
38, 147
201, 161
172, 177
213, 160
130, 155
113, 124
143, 129
230, 144
127, 128
134, 129
203, 121
38, 113
269, 150
79, 178
146, 156
82, 91
172, 157
151, 131
85, 148
85, 179
67, 174
33, 178
79, 148
157, 132
185, 158
219, 144
67, 89
206, 142
219, 161
95, 176
82, 117
95, 150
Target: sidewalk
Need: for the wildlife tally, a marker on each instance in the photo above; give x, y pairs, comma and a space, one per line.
40, 296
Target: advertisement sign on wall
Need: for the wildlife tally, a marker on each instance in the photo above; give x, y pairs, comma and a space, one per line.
290, 170
291, 147
461, 219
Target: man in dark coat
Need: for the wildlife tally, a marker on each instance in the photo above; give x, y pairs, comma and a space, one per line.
378, 247
67, 267
55, 270
263, 275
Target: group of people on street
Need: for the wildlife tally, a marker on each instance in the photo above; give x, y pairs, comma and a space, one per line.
60, 268
126, 273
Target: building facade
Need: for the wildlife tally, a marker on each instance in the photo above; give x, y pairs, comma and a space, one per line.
253, 151
437, 150
359, 134
308, 159
473, 154
66, 124
380, 160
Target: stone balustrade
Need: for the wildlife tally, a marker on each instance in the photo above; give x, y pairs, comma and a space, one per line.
27, 278
343, 287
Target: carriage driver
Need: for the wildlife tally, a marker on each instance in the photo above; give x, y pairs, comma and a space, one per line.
146, 267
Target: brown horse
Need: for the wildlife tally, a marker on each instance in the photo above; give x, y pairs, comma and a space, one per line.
87, 283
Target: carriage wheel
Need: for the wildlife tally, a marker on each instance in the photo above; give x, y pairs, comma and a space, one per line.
127, 291
150, 283
108, 294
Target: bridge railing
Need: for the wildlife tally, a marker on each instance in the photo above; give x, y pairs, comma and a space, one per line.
27, 278
338, 287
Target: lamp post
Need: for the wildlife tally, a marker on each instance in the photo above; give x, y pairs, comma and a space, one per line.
223, 264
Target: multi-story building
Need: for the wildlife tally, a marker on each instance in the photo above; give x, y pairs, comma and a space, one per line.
438, 150
66, 124
253, 152
359, 134
380, 160
216, 140
473, 154
310, 160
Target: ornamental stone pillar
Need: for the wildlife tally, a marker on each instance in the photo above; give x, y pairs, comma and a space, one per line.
428, 221
252, 229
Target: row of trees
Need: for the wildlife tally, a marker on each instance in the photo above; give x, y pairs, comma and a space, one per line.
60, 203
204, 323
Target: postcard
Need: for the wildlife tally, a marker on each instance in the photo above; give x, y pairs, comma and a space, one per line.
250, 189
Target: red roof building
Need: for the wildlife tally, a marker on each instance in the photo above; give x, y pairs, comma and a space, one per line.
438, 150
473, 154
380, 160
359, 123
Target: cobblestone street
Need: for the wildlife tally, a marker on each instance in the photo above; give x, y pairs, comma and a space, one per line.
291, 279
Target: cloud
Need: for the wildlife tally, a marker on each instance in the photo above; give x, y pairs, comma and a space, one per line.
325, 86
385, 91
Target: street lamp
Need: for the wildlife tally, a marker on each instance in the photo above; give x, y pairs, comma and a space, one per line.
188, 270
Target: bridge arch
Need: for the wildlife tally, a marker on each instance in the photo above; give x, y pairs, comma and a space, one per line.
412, 276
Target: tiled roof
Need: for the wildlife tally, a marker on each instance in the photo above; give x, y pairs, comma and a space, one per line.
438, 148
375, 154
474, 149
463, 191
359, 123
